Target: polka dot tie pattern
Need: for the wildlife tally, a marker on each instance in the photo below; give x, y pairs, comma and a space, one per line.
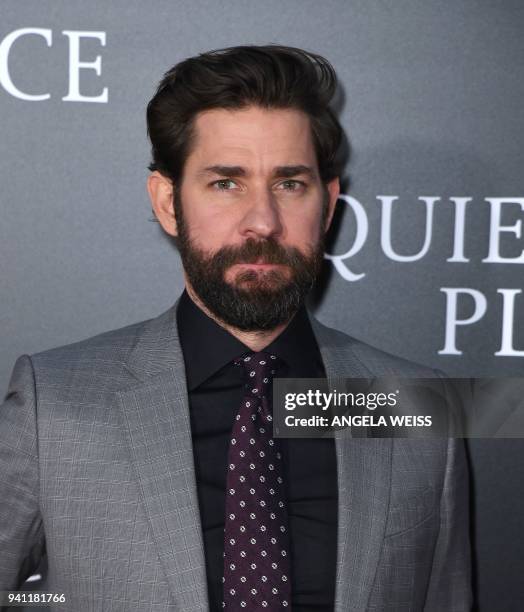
256, 540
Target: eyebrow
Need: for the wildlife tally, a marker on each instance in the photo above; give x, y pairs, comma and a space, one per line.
278, 172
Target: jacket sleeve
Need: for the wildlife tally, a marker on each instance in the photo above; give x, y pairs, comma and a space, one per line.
450, 583
21, 529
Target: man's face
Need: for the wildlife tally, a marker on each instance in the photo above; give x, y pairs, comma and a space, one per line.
251, 214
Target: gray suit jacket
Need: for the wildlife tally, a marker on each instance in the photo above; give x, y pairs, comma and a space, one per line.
96, 469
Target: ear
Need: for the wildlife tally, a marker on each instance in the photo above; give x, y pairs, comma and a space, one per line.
160, 190
333, 189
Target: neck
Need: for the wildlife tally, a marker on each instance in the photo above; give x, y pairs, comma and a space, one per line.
255, 340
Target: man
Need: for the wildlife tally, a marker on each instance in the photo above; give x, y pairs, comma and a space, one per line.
142, 460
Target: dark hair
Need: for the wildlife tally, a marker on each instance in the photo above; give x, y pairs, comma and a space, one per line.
271, 76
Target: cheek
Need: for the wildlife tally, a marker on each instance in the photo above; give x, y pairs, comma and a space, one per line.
209, 230
303, 229
204, 222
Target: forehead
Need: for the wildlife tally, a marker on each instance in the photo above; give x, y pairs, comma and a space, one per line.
252, 136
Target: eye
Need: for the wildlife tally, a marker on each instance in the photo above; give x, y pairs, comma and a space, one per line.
291, 185
224, 184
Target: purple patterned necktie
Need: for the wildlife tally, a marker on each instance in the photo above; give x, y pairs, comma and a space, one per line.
256, 541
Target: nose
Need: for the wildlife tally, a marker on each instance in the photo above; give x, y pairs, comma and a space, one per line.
262, 217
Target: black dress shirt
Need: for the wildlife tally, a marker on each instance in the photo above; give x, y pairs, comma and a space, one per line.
215, 389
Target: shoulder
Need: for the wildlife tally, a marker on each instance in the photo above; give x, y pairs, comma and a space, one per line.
114, 342
101, 357
371, 360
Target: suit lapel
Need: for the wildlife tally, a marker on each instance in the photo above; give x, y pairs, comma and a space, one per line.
156, 418
364, 479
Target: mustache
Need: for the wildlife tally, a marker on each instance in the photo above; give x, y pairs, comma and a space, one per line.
251, 251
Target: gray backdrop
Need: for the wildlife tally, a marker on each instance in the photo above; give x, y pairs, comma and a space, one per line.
433, 106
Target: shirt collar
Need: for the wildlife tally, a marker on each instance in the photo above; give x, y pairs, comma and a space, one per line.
208, 347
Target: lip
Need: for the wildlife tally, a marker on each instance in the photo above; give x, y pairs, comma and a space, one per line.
259, 265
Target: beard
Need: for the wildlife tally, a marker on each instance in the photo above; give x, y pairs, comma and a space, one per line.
252, 300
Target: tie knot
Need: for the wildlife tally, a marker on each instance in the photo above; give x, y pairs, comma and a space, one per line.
260, 369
